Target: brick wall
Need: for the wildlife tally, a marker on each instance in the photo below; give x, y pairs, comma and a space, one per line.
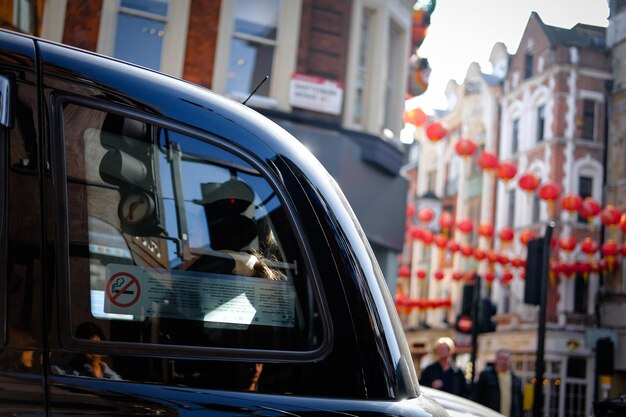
201, 41
82, 24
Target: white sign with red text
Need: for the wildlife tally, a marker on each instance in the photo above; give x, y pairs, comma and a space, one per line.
315, 93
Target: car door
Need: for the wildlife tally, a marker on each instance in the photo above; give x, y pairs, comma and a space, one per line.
22, 252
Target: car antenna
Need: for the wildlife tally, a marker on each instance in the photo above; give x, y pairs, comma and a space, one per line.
257, 87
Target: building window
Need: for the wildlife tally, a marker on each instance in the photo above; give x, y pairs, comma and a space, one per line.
541, 121
257, 38
515, 136
454, 172
150, 33
24, 15
536, 209
585, 189
580, 294
375, 84
393, 89
140, 31
588, 120
510, 220
576, 388
362, 64
252, 46
528, 66
431, 183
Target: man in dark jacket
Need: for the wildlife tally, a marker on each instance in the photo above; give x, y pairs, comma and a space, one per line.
443, 374
498, 388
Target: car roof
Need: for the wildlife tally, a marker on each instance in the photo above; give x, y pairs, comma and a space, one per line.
458, 406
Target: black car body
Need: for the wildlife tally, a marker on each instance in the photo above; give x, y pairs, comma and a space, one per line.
129, 201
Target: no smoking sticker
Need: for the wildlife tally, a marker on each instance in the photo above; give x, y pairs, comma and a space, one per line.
123, 289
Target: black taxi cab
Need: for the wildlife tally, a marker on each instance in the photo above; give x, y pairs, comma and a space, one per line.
168, 252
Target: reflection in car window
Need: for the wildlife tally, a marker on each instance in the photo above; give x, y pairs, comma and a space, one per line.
179, 242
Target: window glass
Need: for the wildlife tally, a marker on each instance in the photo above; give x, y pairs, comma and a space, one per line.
252, 46
585, 189
528, 66
174, 241
515, 136
588, 119
363, 62
541, 121
140, 30
510, 220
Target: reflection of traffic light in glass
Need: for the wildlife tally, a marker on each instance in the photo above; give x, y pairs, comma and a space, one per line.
129, 163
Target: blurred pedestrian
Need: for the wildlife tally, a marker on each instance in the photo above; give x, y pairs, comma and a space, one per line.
499, 388
443, 374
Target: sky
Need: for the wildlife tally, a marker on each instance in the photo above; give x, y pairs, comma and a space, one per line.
464, 31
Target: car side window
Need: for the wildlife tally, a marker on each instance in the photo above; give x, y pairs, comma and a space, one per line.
177, 241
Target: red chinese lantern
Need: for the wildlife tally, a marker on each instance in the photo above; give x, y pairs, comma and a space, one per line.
506, 171
467, 250
566, 269
589, 247
517, 262
487, 161
439, 275
492, 257
583, 268
453, 246
479, 254
441, 241
416, 233
528, 182
427, 237
490, 276
457, 275
485, 230
410, 210
549, 192
567, 243
610, 216
404, 271
623, 249
435, 131
446, 221
506, 234
465, 147
506, 278
416, 117
421, 274
526, 236
465, 225
610, 249
503, 260
425, 215
622, 223
571, 202
589, 209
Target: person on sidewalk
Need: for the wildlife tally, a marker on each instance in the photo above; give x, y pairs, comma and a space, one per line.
499, 388
443, 374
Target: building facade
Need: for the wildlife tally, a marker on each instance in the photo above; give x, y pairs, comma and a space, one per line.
612, 297
541, 114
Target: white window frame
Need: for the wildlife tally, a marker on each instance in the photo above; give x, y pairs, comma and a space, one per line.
383, 13
285, 54
174, 41
53, 20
